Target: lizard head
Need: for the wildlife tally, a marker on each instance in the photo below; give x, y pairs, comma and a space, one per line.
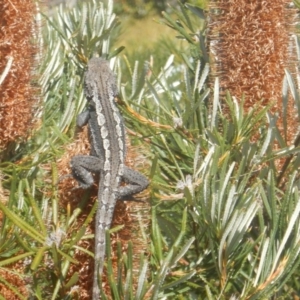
99, 78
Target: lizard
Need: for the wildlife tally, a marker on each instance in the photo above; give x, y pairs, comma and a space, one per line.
107, 155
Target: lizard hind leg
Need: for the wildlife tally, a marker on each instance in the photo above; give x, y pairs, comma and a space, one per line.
136, 182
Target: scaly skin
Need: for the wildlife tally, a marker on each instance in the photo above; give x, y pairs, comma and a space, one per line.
107, 156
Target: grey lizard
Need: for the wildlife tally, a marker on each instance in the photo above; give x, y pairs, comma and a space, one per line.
107, 157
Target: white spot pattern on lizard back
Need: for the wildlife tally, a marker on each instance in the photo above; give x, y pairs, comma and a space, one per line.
104, 132
119, 130
102, 216
106, 144
114, 106
117, 118
106, 165
121, 145
107, 179
105, 197
95, 96
101, 119
107, 154
121, 169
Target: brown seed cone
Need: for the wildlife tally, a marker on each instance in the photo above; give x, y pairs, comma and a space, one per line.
17, 93
251, 43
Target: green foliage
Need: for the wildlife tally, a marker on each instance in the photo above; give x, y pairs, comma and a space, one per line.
239, 219
142, 8
297, 3
220, 163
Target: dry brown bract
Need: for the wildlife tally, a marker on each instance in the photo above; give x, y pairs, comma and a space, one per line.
251, 44
15, 280
17, 95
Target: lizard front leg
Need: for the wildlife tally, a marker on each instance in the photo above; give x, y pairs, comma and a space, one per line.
82, 168
83, 118
84, 165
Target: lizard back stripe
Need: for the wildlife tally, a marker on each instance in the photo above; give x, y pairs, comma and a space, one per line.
108, 149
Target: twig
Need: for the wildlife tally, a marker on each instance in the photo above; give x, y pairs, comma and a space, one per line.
7, 68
